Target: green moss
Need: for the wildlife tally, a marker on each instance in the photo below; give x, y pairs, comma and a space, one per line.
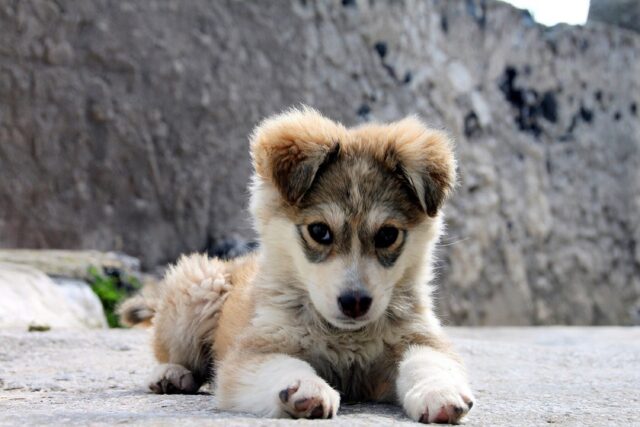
39, 328
112, 287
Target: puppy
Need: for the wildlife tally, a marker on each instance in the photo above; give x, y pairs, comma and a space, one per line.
336, 302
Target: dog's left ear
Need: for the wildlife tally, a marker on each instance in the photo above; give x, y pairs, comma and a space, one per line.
289, 149
424, 159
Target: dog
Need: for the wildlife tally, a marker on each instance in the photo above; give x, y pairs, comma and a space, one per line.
336, 302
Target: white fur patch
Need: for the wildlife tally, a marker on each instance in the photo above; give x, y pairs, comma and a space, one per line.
257, 387
429, 381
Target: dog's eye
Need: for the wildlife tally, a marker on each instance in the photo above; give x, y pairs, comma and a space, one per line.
320, 233
386, 237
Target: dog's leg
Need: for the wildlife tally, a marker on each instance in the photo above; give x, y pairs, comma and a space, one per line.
169, 378
274, 385
432, 386
192, 295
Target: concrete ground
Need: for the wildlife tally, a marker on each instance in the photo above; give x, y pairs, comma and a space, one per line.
521, 376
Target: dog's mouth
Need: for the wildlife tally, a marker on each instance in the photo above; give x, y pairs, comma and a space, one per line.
346, 323
340, 322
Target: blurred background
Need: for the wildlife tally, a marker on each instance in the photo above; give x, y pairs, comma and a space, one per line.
124, 124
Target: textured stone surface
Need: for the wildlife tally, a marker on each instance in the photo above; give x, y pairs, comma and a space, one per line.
624, 13
71, 264
28, 297
125, 128
522, 376
86, 304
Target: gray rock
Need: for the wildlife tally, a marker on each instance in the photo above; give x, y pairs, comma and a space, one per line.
125, 128
85, 303
526, 376
623, 13
72, 264
30, 299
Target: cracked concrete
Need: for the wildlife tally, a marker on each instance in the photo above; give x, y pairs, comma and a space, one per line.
521, 376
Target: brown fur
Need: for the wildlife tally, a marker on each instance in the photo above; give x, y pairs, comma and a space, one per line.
290, 152
238, 315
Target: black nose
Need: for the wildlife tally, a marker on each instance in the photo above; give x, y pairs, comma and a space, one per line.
354, 304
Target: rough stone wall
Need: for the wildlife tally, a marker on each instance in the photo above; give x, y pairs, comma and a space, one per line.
123, 126
624, 13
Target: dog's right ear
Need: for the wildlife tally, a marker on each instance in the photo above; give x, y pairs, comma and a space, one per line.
289, 149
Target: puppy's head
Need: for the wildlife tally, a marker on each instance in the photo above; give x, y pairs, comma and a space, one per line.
348, 215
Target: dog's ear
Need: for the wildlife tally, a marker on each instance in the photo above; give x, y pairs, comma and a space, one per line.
290, 148
424, 160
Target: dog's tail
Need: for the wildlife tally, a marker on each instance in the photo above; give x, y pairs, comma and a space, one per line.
140, 308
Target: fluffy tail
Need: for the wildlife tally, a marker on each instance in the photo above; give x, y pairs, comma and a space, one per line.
136, 310
195, 286
141, 307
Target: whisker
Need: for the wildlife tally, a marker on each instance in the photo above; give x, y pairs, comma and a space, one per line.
453, 242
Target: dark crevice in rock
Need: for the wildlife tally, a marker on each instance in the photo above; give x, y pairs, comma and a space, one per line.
584, 114
527, 18
444, 24
549, 107
598, 96
228, 248
381, 48
583, 45
364, 110
390, 70
529, 104
478, 10
471, 125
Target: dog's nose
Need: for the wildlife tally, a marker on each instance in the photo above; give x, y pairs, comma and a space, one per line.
354, 304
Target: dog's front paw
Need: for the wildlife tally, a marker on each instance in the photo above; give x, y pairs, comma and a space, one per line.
310, 398
443, 402
170, 378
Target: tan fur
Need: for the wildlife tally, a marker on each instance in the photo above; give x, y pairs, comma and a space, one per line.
238, 309
267, 326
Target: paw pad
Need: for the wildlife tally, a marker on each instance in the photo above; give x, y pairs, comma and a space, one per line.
447, 414
309, 399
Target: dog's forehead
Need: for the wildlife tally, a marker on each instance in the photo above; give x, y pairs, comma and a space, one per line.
363, 191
